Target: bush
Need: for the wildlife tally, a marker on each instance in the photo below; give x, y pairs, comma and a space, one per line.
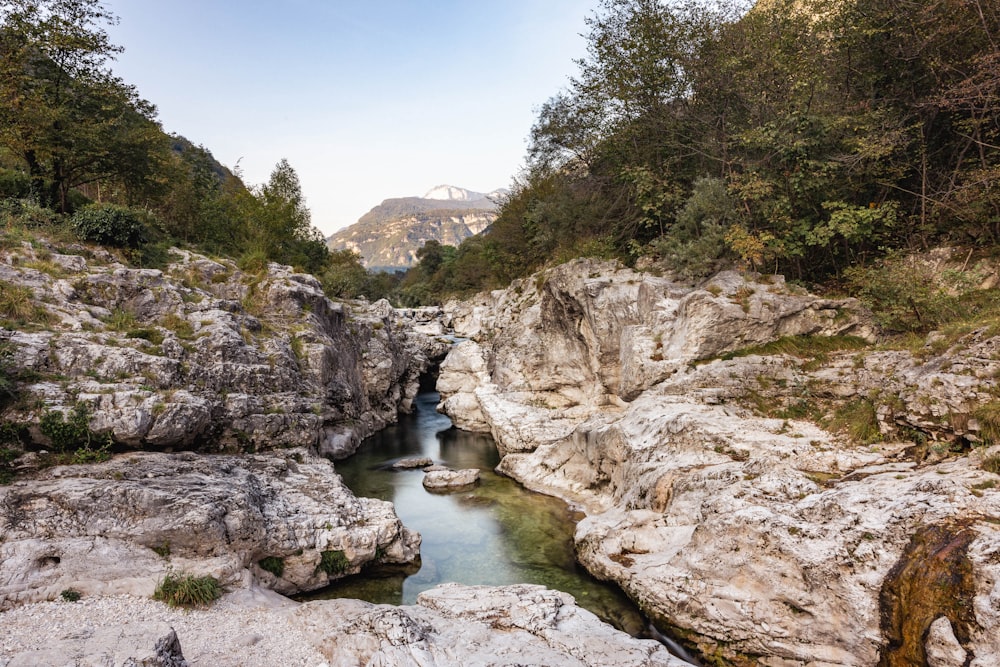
273, 564
187, 590
70, 595
906, 295
111, 225
333, 562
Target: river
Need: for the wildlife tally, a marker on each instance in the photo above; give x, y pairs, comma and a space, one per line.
494, 534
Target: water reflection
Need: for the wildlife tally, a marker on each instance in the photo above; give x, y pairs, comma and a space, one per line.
495, 534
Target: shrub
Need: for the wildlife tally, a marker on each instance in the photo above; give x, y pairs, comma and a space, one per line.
186, 590
70, 595
273, 564
72, 438
988, 416
110, 225
991, 464
333, 562
907, 295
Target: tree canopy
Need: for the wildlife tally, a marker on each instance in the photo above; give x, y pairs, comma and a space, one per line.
800, 136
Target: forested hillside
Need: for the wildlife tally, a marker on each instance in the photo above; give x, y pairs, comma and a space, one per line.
804, 137
83, 156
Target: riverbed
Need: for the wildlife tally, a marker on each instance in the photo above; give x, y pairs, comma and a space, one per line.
496, 533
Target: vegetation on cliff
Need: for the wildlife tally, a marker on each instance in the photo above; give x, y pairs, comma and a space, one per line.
82, 153
795, 137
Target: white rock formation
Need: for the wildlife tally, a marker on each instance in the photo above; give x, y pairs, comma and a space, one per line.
753, 536
118, 527
204, 356
447, 480
454, 625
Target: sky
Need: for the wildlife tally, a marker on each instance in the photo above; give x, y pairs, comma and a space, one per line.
366, 99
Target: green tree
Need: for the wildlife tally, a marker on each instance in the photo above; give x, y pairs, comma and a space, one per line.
62, 111
280, 225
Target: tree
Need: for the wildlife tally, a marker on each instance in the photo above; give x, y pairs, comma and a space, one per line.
62, 111
281, 225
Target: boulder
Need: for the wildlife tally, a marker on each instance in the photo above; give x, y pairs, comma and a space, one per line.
450, 480
455, 625
117, 527
754, 536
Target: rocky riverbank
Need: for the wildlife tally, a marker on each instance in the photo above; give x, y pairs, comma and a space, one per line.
201, 355
449, 625
713, 498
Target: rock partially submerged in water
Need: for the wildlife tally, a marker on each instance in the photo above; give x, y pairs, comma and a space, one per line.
116, 527
450, 480
455, 625
413, 462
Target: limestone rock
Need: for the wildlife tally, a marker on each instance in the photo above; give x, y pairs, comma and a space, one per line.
116, 527
455, 625
131, 645
442, 480
202, 356
757, 536
943, 649
413, 462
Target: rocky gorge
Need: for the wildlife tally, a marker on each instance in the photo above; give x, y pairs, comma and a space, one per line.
183, 420
712, 495
726, 486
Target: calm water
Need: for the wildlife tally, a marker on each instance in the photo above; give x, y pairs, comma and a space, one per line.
497, 533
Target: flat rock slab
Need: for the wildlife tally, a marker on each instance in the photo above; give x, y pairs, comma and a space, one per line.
441, 480
129, 645
474, 625
413, 462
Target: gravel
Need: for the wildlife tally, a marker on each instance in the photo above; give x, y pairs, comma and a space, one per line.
240, 630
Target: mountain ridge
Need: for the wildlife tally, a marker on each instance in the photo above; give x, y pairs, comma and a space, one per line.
389, 235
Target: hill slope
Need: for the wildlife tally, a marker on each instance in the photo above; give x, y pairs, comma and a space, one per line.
389, 235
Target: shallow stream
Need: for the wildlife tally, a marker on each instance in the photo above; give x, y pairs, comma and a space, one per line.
494, 534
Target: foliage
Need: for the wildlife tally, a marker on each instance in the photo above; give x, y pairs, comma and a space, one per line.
333, 563
906, 294
273, 564
65, 115
70, 595
186, 590
8, 375
109, 224
800, 137
7, 456
68, 433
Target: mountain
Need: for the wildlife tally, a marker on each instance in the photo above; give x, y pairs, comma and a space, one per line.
388, 236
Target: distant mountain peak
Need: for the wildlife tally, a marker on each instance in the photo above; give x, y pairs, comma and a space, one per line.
453, 193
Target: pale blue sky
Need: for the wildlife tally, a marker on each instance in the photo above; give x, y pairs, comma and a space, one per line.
367, 100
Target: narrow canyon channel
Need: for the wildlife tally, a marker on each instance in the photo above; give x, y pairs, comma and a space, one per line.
494, 534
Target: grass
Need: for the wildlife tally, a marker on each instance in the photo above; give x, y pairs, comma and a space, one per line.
17, 305
859, 420
988, 416
816, 348
186, 590
120, 320
991, 464
178, 324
